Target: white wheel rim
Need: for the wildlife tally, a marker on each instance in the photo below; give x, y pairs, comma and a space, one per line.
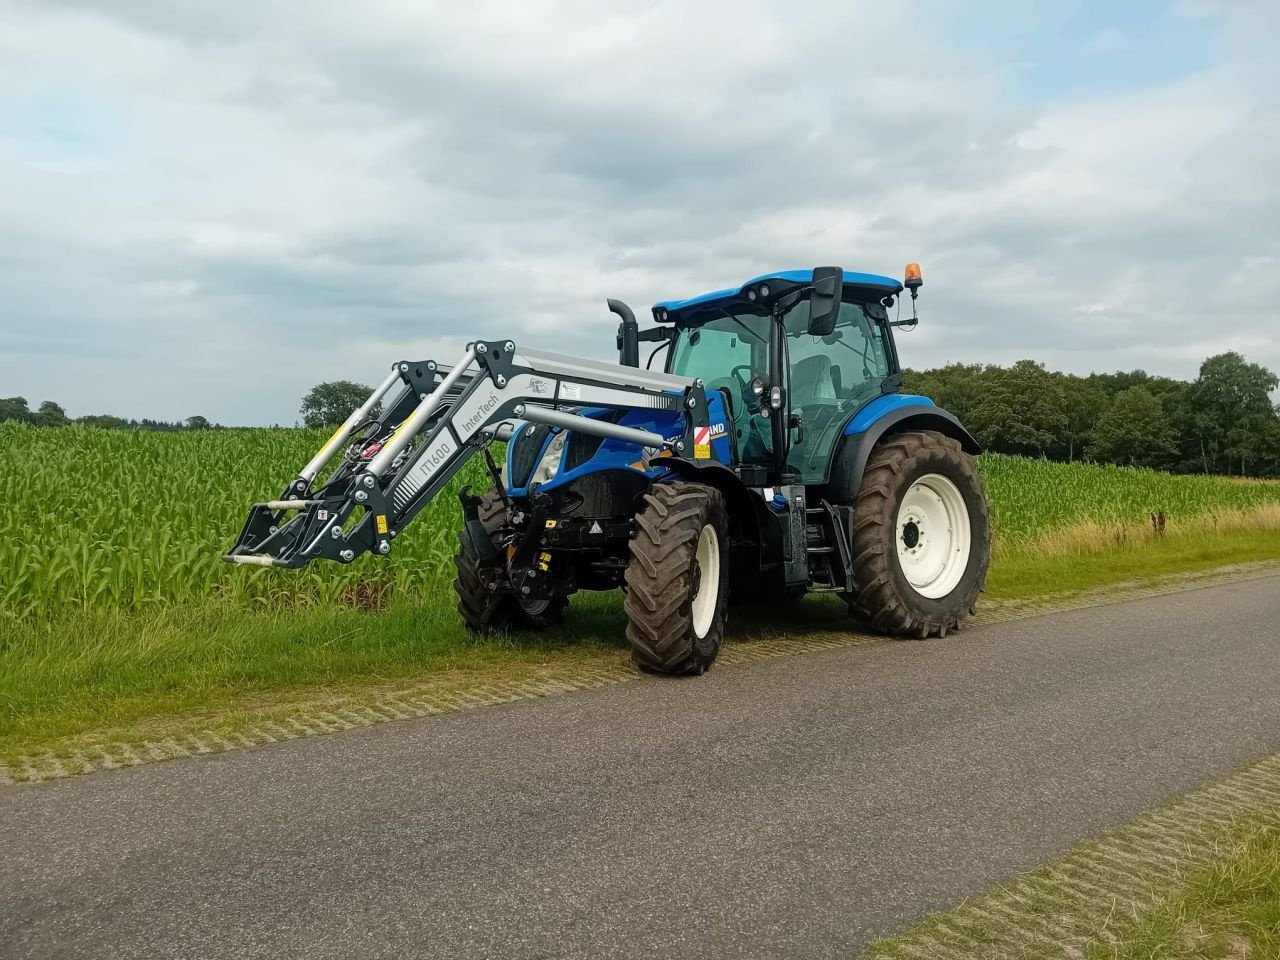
707, 580
933, 536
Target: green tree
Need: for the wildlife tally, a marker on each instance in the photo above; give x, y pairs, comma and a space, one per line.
15, 408
197, 423
51, 415
1085, 403
1135, 431
1234, 408
957, 387
1022, 410
104, 421
329, 404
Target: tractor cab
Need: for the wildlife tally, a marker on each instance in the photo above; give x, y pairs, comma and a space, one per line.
793, 367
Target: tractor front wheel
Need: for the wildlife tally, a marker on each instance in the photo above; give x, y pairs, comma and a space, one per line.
921, 536
483, 610
678, 579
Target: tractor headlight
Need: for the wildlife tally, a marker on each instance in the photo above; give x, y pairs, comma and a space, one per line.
549, 465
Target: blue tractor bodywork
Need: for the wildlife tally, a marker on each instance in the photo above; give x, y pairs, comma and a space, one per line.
529, 444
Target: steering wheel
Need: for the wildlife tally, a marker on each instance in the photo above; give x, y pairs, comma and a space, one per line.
749, 399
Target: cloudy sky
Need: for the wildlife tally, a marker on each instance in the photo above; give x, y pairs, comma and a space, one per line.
209, 207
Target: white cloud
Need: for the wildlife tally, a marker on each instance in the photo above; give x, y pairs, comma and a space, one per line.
208, 208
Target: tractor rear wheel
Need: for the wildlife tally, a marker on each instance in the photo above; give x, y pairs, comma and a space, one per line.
921, 538
678, 579
483, 610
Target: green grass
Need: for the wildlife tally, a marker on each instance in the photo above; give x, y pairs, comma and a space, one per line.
1229, 911
103, 670
1026, 574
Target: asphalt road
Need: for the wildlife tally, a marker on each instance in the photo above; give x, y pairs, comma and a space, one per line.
797, 807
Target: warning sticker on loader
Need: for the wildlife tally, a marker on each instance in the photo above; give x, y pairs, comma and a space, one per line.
381, 521
702, 443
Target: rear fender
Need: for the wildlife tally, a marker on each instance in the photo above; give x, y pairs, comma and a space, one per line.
854, 450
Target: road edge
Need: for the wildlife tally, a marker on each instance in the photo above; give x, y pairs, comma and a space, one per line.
1101, 888
444, 694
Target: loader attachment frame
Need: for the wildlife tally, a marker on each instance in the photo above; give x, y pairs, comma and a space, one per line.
399, 456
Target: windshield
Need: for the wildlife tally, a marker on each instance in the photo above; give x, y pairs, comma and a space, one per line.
726, 353
716, 348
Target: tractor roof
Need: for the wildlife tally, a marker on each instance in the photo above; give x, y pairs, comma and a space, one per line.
681, 309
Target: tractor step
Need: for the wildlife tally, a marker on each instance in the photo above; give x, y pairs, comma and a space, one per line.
827, 545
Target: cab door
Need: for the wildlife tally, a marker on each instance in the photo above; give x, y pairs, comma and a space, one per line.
829, 378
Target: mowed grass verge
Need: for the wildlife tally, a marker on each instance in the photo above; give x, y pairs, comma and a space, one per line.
116, 610
1227, 911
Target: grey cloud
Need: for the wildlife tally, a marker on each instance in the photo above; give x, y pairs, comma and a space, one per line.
330, 187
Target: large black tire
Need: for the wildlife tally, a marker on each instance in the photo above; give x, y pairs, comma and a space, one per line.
664, 579
484, 611
883, 597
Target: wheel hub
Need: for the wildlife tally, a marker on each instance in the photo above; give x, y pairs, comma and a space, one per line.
910, 534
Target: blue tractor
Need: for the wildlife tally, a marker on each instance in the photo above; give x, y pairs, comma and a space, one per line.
773, 455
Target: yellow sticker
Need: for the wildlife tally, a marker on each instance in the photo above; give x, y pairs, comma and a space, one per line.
702, 451
381, 521
544, 556
551, 524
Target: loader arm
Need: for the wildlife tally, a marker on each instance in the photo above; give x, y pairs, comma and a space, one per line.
399, 457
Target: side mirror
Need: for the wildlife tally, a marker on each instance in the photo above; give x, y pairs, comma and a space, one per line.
824, 300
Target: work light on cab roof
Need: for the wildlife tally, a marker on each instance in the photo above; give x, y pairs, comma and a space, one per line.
764, 450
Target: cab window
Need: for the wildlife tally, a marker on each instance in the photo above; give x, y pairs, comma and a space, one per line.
726, 353
831, 377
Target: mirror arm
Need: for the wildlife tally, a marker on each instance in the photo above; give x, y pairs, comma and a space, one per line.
785, 303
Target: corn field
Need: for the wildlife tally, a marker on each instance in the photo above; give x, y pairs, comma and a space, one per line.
130, 520
1034, 497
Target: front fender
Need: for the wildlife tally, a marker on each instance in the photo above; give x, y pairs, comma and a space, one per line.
750, 518
869, 426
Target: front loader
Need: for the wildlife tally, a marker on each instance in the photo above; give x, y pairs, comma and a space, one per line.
773, 455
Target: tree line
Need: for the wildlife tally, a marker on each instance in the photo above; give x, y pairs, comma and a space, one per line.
1222, 422
50, 414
